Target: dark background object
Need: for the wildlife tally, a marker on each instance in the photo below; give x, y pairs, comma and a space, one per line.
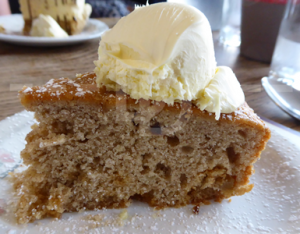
14, 6
259, 28
150, 1
108, 8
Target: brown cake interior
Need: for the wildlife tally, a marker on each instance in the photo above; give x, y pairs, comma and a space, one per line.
93, 149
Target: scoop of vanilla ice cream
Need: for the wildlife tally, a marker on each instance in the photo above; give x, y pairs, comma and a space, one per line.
223, 94
162, 52
46, 26
165, 52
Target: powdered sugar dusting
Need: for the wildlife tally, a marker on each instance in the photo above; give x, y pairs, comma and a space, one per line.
27, 90
50, 82
58, 87
41, 90
273, 206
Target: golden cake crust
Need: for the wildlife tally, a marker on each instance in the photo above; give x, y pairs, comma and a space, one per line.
84, 89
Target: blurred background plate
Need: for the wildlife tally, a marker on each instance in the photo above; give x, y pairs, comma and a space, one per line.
13, 25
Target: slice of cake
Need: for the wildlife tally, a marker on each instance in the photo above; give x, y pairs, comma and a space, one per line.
71, 15
158, 122
95, 148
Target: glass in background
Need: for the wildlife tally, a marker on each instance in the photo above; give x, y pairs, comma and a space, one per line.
283, 83
230, 33
212, 9
259, 28
285, 63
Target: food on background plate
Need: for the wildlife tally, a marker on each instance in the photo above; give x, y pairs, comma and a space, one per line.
2, 29
70, 15
46, 26
157, 121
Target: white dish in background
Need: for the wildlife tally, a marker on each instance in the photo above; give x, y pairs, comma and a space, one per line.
273, 206
13, 25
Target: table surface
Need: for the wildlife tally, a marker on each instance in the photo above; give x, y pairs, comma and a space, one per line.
21, 65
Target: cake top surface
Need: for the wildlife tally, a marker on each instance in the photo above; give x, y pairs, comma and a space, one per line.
83, 89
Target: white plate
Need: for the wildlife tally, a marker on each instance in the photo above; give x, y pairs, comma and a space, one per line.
273, 206
13, 25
